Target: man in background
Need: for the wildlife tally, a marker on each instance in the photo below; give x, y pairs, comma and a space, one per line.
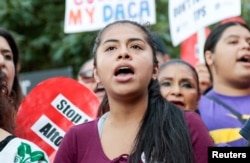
161, 49
86, 77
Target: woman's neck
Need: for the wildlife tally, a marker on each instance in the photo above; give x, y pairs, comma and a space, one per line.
3, 134
123, 121
128, 111
232, 88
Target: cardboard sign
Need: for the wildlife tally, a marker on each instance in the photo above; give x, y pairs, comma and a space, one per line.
187, 17
91, 15
51, 108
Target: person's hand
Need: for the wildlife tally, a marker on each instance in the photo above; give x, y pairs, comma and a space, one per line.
204, 77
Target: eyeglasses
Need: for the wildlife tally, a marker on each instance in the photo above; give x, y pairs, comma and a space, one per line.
86, 75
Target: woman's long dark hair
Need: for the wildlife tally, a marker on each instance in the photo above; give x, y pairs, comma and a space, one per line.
163, 135
16, 92
7, 109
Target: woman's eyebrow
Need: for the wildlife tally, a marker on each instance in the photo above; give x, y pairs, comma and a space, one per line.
135, 39
165, 78
231, 36
110, 40
129, 40
235, 36
6, 51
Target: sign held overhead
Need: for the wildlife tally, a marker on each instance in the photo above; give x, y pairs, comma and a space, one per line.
91, 15
186, 17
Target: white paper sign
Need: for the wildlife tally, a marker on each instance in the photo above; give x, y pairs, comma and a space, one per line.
90, 15
188, 16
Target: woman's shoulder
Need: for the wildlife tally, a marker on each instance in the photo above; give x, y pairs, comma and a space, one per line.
20, 149
194, 121
197, 127
24, 144
86, 125
84, 130
5, 141
189, 115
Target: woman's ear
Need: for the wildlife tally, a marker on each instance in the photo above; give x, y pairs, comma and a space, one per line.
209, 57
96, 76
198, 99
155, 71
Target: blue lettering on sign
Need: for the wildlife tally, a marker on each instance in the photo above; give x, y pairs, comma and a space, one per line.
196, 1
131, 11
144, 8
119, 12
107, 13
179, 9
186, 6
200, 13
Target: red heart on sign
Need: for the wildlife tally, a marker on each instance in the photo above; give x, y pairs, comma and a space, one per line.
51, 107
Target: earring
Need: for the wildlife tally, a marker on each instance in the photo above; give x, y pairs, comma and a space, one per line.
154, 77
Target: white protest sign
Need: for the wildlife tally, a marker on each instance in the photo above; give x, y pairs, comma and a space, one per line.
188, 16
91, 15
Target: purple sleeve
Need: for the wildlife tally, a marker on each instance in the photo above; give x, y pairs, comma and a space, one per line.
65, 152
201, 139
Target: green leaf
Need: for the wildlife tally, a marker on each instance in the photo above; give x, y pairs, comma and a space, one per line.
37, 156
27, 148
21, 150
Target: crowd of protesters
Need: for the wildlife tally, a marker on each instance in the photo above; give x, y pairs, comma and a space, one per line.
153, 108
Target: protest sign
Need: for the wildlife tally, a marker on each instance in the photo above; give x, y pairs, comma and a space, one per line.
51, 108
90, 15
186, 17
